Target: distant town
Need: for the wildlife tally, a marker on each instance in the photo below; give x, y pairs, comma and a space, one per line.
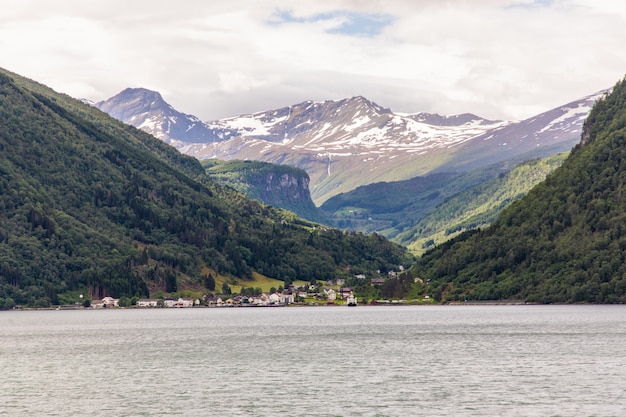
293, 295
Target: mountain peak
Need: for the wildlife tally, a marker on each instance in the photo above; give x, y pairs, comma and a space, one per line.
141, 92
134, 93
138, 90
369, 104
147, 110
131, 102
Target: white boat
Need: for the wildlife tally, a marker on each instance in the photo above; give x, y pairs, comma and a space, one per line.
351, 301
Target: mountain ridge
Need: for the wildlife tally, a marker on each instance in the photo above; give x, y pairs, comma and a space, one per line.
346, 143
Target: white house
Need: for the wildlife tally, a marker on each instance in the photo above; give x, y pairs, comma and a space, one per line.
275, 298
188, 302
288, 298
170, 302
147, 302
105, 302
331, 294
281, 298
261, 300
180, 302
111, 302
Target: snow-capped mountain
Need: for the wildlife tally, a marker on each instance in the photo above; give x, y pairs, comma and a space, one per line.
356, 126
557, 130
146, 110
343, 144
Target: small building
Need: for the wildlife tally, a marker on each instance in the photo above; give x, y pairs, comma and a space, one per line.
262, 300
188, 302
214, 301
106, 302
111, 302
345, 292
331, 295
147, 302
275, 298
288, 298
170, 302
180, 302
283, 298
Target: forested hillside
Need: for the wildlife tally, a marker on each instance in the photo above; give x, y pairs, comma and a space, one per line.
564, 242
478, 206
90, 205
424, 211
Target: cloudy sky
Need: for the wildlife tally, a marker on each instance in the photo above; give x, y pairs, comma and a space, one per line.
505, 59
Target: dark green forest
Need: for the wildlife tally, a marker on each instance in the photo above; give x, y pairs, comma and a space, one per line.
88, 204
564, 242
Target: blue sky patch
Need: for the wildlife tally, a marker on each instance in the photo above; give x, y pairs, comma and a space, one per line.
531, 5
354, 24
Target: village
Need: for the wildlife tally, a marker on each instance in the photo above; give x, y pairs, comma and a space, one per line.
294, 294
278, 298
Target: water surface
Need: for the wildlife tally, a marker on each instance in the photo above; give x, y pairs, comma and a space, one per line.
316, 361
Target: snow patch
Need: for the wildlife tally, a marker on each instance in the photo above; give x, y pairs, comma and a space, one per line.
248, 126
356, 123
577, 113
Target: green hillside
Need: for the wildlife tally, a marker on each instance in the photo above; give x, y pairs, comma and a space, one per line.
387, 207
425, 211
564, 242
478, 206
90, 205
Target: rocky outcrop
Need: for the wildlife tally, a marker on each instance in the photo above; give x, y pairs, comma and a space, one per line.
280, 186
287, 186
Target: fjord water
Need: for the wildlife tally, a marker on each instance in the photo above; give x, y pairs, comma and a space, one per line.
324, 361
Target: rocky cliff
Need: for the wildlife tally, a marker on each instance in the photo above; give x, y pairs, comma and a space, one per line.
277, 185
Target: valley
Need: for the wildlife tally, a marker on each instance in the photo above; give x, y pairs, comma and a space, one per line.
370, 169
93, 206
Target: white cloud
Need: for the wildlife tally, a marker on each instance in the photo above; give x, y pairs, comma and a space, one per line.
496, 58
